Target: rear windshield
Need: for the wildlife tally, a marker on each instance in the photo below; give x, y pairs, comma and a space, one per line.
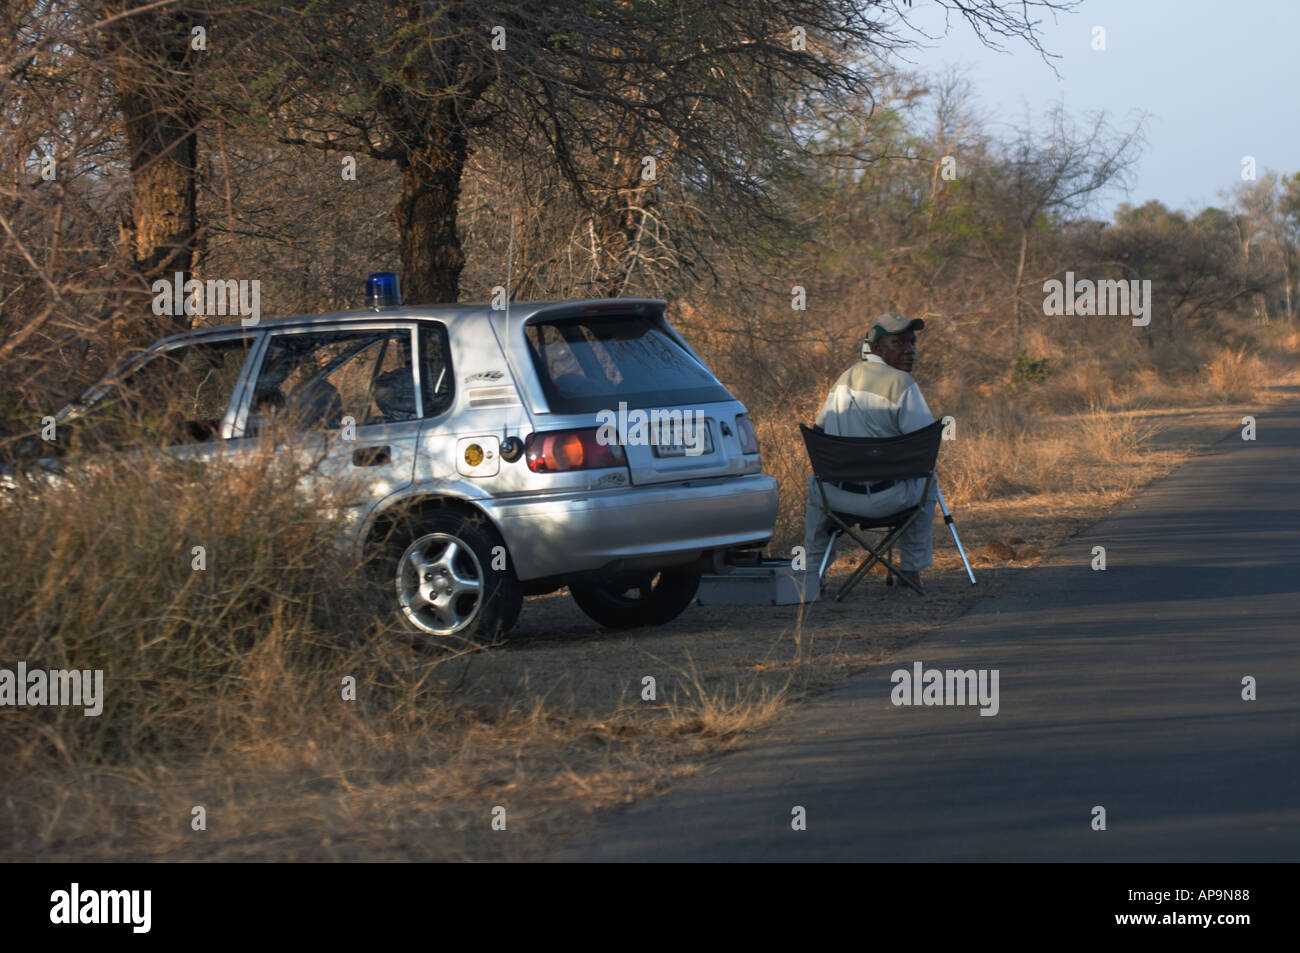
594, 363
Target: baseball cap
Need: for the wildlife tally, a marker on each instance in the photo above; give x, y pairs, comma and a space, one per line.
892, 322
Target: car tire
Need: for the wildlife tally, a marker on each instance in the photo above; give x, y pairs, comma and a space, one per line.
660, 598
441, 581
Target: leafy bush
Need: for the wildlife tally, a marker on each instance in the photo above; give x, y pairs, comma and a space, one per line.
1026, 370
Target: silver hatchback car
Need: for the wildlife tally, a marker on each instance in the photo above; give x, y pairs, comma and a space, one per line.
491, 454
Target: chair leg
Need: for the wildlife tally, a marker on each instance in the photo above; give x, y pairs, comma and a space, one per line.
891, 570
895, 572
865, 566
857, 576
848, 531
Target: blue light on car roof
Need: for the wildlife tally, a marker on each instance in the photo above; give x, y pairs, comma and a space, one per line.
383, 290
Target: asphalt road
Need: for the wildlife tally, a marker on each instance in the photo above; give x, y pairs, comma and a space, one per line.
1119, 688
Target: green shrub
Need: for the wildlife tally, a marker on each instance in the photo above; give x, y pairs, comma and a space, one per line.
1026, 370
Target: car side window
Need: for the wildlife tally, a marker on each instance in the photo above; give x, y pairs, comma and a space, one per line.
177, 396
318, 380
436, 378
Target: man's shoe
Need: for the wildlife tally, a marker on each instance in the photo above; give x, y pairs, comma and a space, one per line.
914, 577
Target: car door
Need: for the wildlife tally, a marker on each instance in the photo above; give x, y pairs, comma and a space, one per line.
181, 397
343, 398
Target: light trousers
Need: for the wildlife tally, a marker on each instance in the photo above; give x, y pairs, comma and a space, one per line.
914, 546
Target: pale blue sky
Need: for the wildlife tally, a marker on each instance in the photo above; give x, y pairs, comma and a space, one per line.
1217, 80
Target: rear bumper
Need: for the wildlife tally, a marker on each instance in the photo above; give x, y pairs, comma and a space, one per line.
587, 531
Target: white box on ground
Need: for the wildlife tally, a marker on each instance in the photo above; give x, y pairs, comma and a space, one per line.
771, 583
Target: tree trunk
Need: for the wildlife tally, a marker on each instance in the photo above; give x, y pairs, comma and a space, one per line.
1286, 280
426, 215
152, 69
1020, 273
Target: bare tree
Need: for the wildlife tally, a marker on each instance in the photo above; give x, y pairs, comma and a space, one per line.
711, 90
57, 165
1057, 172
1269, 226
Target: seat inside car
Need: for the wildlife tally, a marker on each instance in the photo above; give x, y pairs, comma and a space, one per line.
394, 395
316, 404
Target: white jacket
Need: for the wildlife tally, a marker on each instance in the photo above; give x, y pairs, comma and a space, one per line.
872, 399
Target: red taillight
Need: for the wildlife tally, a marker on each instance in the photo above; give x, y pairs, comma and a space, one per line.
555, 451
747, 434
568, 452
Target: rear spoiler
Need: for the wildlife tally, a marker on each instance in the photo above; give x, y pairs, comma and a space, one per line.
653, 307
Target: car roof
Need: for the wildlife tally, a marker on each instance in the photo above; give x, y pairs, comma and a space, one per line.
521, 310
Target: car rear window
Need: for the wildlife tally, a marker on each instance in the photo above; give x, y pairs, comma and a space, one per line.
593, 363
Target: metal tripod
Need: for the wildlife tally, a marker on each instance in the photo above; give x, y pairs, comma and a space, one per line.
952, 528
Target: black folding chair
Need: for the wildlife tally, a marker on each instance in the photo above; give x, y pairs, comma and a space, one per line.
862, 462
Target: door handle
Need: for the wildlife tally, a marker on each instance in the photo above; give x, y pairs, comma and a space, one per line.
372, 456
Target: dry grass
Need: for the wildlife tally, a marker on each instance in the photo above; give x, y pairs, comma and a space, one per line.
223, 686
242, 656
1235, 375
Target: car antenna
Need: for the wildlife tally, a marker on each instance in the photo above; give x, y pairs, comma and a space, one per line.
510, 261
512, 448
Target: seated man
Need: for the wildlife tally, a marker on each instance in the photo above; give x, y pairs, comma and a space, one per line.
876, 397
